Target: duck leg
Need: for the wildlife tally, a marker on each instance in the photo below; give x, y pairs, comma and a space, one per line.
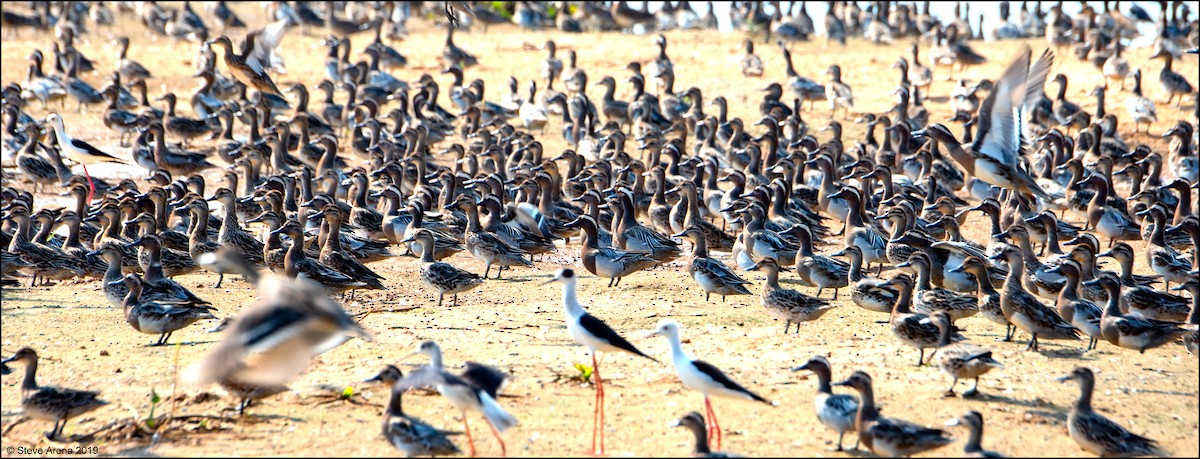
974, 389
950, 391
220, 277
839, 446
486, 269
921, 357
440, 297
786, 326
1032, 344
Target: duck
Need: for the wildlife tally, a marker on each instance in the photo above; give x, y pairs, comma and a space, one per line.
1174, 84
870, 293
232, 235
407, 433
759, 242
114, 287
631, 235
1082, 313
889, 436
444, 244
297, 264
803, 88
819, 270
129, 69
872, 244
927, 300
78, 89
177, 163
836, 411
453, 55
973, 421
911, 328
1138, 296
442, 276
259, 352
336, 258
1024, 310
154, 317
718, 240
1097, 434
47, 262
34, 167
788, 305
1191, 341
1132, 330
1063, 108
1141, 108
752, 65
694, 422
994, 153
710, 273
250, 75
608, 261
961, 360
532, 112
838, 93
1163, 258
170, 262
1106, 220
1039, 280
486, 246
48, 403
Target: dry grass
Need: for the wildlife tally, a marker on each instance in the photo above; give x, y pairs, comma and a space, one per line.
517, 324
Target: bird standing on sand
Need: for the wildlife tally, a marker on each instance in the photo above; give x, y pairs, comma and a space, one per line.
598, 337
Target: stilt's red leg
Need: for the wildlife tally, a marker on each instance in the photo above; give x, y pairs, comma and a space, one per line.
708, 416
467, 428
716, 425
503, 449
91, 186
598, 413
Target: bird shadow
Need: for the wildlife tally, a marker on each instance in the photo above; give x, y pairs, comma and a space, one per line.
1067, 353
986, 397
181, 343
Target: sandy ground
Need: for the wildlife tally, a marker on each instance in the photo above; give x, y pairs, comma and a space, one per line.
517, 324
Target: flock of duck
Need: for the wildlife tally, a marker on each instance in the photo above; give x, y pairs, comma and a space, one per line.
338, 187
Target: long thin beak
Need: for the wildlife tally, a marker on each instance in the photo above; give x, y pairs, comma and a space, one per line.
551, 281
1065, 378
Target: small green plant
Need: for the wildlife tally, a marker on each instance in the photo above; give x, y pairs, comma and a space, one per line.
347, 393
154, 401
585, 372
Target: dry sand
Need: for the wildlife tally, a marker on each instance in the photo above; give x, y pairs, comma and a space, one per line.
517, 324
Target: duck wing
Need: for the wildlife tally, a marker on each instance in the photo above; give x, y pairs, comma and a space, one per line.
1009, 107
